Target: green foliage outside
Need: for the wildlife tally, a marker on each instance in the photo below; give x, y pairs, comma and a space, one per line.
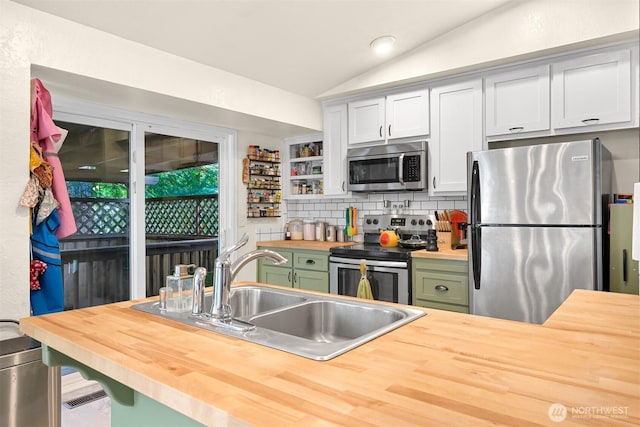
198, 181
202, 180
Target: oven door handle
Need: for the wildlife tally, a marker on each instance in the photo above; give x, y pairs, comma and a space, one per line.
401, 169
348, 262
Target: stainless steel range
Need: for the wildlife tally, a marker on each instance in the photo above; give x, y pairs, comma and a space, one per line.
388, 268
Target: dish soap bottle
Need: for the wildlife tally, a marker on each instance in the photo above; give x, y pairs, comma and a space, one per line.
180, 289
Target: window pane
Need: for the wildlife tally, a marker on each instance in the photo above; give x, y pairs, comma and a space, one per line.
96, 258
181, 205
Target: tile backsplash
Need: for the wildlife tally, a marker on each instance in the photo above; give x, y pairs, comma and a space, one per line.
332, 210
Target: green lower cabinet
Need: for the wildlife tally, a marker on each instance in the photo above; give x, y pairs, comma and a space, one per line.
304, 269
623, 271
311, 280
440, 284
274, 275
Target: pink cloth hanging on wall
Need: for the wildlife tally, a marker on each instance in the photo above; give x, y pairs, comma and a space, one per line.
45, 131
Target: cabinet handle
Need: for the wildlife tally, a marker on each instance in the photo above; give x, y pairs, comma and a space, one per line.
311, 261
434, 182
441, 288
516, 129
289, 277
343, 186
295, 278
624, 265
380, 131
389, 130
590, 121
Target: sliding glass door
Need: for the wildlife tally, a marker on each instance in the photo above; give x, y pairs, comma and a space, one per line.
145, 197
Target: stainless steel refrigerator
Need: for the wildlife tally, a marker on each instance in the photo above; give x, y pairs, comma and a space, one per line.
537, 227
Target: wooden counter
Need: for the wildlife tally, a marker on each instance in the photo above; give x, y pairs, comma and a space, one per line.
443, 252
314, 245
445, 368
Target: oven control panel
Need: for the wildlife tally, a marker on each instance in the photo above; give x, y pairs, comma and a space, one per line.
405, 224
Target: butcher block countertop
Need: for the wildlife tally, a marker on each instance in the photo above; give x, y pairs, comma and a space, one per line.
445, 368
444, 251
314, 245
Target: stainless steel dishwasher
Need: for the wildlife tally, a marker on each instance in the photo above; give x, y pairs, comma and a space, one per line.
30, 390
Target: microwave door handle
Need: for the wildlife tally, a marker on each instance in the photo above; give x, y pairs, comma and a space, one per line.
401, 168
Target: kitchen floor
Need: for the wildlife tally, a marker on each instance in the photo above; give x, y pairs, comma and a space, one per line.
96, 413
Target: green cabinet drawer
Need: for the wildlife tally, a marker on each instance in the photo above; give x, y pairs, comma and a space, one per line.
441, 284
442, 287
311, 260
287, 253
311, 280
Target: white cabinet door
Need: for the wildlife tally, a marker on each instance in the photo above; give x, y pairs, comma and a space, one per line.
408, 114
517, 101
592, 90
335, 149
456, 128
366, 120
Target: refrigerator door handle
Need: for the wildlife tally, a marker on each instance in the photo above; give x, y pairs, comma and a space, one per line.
476, 258
475, 194
624, 265
476, 234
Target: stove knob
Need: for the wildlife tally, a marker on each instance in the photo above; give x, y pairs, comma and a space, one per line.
369, 221
413, 222
421, 222
375, 221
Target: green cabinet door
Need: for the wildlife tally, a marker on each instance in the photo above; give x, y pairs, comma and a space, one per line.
311, 280
623, 271
440, 284
275, 275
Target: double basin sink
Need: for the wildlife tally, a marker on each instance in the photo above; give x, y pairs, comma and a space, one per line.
319, 327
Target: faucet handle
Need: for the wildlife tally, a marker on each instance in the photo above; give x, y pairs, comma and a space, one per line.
225, 252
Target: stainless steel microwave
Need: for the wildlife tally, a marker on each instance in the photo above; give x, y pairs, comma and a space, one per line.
390, 167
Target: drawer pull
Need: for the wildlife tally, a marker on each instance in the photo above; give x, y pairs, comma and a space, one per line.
516, 129
590, 121
311, 261
442, 288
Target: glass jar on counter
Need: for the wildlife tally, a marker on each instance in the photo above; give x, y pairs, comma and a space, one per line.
309, 229
296, 229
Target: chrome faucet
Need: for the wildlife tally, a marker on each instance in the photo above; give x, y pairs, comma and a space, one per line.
225, 272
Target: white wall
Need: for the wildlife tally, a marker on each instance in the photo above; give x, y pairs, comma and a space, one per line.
520, 30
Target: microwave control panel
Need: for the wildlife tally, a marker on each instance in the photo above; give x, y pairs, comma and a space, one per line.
411, 169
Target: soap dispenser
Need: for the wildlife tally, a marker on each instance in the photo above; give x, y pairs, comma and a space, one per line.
180, 289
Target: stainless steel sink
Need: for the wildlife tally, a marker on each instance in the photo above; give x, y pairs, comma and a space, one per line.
248, 301
328, 321
319, 327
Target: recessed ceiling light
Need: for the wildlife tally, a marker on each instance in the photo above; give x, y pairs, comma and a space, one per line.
87, 168
383, 44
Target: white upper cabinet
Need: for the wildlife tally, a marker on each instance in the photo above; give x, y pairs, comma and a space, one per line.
517, 101
335, 149
408, 114
401, 115
456, 128
592, 90
366, 120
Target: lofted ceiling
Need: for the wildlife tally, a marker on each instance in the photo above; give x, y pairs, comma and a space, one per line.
303, 46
